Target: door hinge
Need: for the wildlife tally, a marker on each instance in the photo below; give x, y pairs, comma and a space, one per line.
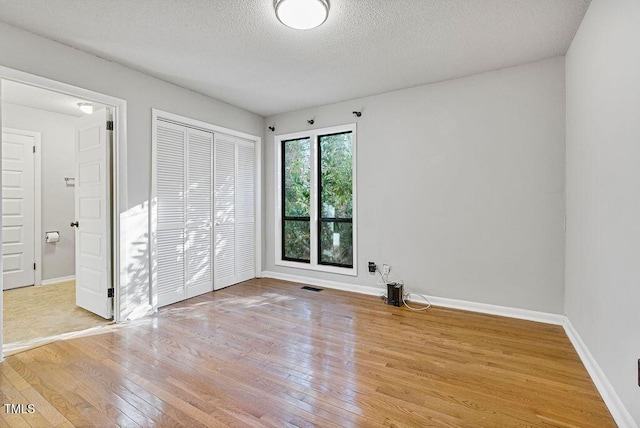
34, 149
109, 125
110, 292
34, 266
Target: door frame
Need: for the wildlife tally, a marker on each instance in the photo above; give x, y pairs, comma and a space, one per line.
197, 124
118, 171
37, 201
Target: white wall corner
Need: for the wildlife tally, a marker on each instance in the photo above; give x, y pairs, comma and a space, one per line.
619, 412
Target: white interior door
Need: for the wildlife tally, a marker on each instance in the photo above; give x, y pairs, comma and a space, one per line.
234, 210
92, 207
18, 227
183, 188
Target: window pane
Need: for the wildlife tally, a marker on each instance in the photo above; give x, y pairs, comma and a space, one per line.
336, 243
297, 240
336, 175
296, 177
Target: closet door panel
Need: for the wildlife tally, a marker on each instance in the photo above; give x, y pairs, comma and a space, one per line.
245, 211
170, 259
170, 194
224, 210
224, 256
245, 259
198, 246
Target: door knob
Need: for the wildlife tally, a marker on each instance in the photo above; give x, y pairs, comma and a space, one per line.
74, 224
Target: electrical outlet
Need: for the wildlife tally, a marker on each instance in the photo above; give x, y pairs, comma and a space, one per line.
386, 269
372, 267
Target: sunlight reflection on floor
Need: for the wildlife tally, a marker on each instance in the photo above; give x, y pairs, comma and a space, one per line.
16, 347
230, 302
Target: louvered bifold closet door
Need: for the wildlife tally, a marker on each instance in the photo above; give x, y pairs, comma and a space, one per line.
170, 227
224, 210
199, 207
245, 211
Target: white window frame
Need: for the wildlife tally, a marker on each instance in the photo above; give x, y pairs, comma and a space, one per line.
313, 134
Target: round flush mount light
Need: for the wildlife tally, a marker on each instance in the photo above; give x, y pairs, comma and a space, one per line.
86, 107
302, 14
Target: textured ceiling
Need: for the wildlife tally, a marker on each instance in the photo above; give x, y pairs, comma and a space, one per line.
238, 52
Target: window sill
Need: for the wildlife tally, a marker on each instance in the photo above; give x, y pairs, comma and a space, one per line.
318, 268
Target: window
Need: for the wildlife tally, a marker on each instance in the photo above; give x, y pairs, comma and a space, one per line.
296, 200
335, 199
316, 201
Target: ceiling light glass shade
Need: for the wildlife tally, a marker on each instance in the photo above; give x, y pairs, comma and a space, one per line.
86, 107
302, 14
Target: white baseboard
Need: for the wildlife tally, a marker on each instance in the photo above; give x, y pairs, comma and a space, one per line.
52, 281
362, 289
436, 301
619, 412
503, 311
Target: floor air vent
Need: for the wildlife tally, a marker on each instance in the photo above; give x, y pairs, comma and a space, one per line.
306, 287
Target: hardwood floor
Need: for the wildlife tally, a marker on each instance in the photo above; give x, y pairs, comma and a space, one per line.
266, 353
32, 315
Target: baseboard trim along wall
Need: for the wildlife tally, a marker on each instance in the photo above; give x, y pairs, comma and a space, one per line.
616, 407
464, 305
362, 289
58, 280
503, 311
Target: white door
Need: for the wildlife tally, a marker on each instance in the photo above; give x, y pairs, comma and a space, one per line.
183, 186
18, 252
169, 172
224, 203
245, 211
199, 245
92, 207
234, 210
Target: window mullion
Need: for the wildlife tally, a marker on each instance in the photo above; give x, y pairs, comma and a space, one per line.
314, 199
282, 199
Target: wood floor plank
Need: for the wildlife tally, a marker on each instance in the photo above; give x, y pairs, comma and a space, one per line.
222, 384
64, 382
31, 396
27, 409
266, 353
100, 379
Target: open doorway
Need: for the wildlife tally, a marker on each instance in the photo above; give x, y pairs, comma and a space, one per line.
57, 258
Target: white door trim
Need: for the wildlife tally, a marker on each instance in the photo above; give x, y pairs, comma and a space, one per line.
194, 123
119, 233
37, 202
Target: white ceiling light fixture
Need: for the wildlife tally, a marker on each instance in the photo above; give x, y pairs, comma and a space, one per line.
86, 107
302, 14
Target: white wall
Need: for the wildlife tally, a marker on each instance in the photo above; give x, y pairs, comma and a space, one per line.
603, 191
460, 186
33, 54
57, 161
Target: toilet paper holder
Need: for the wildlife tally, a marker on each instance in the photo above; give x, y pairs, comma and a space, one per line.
52, 236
